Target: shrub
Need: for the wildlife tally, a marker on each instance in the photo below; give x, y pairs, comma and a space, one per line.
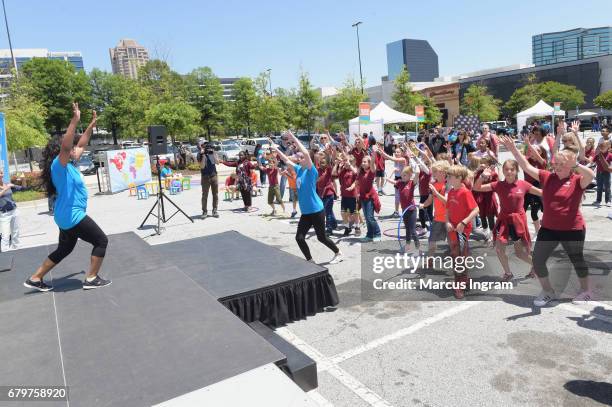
31, 195
193, 167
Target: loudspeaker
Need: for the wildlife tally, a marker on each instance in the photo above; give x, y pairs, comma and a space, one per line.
158, 143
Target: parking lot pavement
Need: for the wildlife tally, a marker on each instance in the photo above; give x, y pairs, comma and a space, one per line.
401, 353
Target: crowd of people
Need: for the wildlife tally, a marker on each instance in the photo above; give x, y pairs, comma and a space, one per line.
461, 185
456, 174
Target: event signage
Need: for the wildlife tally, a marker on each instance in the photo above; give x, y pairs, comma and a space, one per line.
364, 112
4, 163
125, 167
557, 106
419, 111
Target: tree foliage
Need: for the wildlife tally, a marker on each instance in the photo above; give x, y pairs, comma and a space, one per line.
550, 92
205, 93
163, 83
55, 84
179, 117
604, 100
25, 122
120, 103
268, 115
404, 98
477, 102
344, 106
244, 104
308, 105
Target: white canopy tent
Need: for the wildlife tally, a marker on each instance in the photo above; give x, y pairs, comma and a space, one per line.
379, 116
586, 114
539, 109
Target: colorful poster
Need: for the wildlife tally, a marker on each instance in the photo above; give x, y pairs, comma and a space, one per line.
419, 111
364, 112
4, 163
125, 167
557, 106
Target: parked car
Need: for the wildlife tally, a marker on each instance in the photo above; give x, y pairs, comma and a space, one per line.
86, 164
228, 151
249, 144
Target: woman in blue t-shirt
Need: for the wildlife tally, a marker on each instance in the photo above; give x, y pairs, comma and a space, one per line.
61, 177
311, 206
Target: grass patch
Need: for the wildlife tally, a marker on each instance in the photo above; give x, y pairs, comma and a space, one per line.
24, 196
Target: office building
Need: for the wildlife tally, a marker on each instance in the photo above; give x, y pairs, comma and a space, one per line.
127, 57
228, 87
418, 56
571, 45
24, 55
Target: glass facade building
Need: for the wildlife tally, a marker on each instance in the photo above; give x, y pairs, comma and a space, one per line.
418, 56
22, 56
571, 45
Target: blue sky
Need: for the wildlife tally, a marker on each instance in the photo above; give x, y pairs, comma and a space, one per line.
243, 38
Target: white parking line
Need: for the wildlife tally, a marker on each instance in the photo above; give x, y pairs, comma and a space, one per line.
320, 400
336, 371
402, 332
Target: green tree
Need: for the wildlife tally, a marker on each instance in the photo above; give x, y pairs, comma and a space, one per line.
56, 84
404, 99
477, 102
268, 116
244, 104
433, 115
344, 106
179, 117
604, 100
287, 99
120, 103
550, 92
164, 84
206, 95
25, 123
308, 105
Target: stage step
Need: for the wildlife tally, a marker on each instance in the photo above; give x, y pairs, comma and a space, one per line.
299, 367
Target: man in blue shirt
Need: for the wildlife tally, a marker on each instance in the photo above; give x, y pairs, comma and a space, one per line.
62, 177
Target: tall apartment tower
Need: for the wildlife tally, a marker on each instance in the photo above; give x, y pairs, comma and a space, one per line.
127, 57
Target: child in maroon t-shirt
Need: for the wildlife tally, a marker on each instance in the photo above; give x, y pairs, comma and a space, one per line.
406, 186
602, 160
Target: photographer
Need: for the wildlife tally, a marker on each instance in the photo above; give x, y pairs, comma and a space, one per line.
208, 168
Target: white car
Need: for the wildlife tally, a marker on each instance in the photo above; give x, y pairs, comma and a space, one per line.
228, 151
249, 144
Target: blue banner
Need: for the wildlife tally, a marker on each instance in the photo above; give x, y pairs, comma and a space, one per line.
4, 162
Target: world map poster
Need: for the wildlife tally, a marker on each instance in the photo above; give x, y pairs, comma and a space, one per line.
125, 167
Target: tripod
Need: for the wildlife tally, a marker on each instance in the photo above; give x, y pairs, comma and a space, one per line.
159, 204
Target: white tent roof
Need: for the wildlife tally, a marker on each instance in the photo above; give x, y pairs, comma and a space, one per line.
540, 109
586, 114
384, 113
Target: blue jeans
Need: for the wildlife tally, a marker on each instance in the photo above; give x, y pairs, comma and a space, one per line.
603, 185
368, 213
283, 183
330, 219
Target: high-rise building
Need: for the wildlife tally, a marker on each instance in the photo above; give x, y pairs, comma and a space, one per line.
24, 55
127, 57
571, 45
418, 56
228, 87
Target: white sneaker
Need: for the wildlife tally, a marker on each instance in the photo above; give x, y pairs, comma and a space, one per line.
337, 258
544, 298
583, 297
377, 239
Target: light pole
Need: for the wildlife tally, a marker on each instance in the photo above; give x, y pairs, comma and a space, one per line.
8, 34
356, 25
269, 71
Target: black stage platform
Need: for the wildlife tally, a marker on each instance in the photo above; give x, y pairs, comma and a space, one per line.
253, 280
155, 333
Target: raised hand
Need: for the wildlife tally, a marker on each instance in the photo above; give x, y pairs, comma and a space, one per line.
94, 118
576, 126
561, 127
507, 142
76, 113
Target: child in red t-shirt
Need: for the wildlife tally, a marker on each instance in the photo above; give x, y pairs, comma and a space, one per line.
487, 204
346, 173
461, 208
271, 171
379, 159
437, 198
406, 186
602, 160
231, 191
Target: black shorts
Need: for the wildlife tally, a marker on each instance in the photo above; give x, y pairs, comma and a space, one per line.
512, 236
348, 204
380, 173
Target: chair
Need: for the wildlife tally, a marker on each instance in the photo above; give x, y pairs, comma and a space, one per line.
152, 187
142, 192
186, 183
167, 182
132, 189
175, 187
